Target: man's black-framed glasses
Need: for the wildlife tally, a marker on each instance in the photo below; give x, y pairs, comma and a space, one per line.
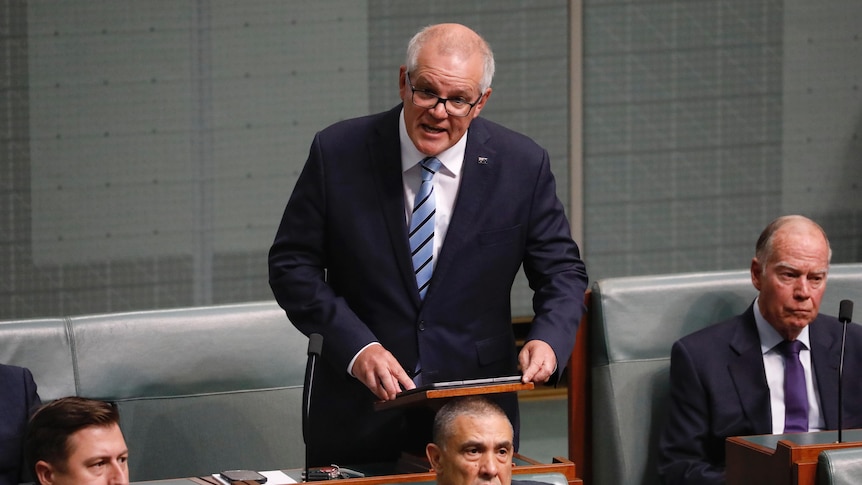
454, 106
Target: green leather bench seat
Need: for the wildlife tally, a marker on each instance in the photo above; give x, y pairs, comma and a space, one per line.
840, 467
199, 389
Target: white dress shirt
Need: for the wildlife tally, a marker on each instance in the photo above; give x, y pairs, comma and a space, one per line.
446, 183
773, 362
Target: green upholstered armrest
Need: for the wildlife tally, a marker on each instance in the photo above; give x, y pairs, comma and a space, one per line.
840, 467
552, 478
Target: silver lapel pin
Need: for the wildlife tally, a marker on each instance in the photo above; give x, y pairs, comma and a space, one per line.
483, 160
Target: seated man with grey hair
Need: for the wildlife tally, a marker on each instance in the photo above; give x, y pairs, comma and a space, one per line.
772, 369
472, 444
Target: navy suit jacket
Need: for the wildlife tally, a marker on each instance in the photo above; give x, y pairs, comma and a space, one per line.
719, 390
18, 399
340, 266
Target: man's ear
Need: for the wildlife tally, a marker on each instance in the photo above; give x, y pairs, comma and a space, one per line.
480, 104
44, 473
756, 273
433, 453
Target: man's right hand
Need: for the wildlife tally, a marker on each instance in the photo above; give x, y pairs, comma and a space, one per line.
380, 371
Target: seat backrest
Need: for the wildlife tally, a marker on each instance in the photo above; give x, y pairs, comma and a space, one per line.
44, 347
839, 467
634, 321
199, 389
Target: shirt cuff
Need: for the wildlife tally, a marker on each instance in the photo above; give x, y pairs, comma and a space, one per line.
353, 360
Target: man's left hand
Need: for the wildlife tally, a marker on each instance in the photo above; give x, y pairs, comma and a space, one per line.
537, 361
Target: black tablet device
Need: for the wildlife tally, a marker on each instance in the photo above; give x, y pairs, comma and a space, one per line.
464, 383
243, 476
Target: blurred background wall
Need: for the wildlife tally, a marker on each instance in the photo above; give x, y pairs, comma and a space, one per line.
148, 148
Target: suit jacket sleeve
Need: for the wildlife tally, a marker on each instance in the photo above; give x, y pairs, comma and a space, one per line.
297, 268
19, 400
554, 270
684, 445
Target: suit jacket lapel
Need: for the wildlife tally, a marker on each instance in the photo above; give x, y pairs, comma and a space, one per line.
384, 152
480, 169
749, 376
825, 356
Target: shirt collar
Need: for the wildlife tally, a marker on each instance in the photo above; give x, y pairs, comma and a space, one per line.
452, 158
769, 337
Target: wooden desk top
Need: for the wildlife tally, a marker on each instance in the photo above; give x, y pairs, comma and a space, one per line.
522, 466
415, 398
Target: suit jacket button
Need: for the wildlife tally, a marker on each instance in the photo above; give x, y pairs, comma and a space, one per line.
421, 325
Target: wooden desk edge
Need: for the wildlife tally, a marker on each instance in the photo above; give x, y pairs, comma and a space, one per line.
565, 467
419, 397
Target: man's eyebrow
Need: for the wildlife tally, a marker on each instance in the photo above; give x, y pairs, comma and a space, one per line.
481, 444
788, 266
503, 444
97, 459
471, 444
422, 85
785, 265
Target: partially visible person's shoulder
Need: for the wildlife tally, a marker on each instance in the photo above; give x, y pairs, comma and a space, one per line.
713, 334
500, 134
363, 123
14, 372
829, 324
824, 319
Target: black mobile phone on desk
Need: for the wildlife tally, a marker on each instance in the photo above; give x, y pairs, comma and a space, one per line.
323, 473
243, 476
331, 472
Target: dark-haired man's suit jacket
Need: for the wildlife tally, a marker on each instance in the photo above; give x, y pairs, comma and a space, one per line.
719, 390
340, 266
18, 399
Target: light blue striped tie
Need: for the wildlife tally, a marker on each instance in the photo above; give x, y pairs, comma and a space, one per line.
422, 226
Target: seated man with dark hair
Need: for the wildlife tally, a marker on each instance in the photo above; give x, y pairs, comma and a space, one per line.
75, 441
472, 443
18, 399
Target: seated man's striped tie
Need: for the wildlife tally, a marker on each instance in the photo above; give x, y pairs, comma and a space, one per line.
422, 226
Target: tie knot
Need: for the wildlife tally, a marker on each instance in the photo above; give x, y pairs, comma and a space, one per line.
790, 347
430, 166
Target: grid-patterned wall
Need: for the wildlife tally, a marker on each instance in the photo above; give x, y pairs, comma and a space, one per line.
148, 147
682, 132
705, 120
155, 144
